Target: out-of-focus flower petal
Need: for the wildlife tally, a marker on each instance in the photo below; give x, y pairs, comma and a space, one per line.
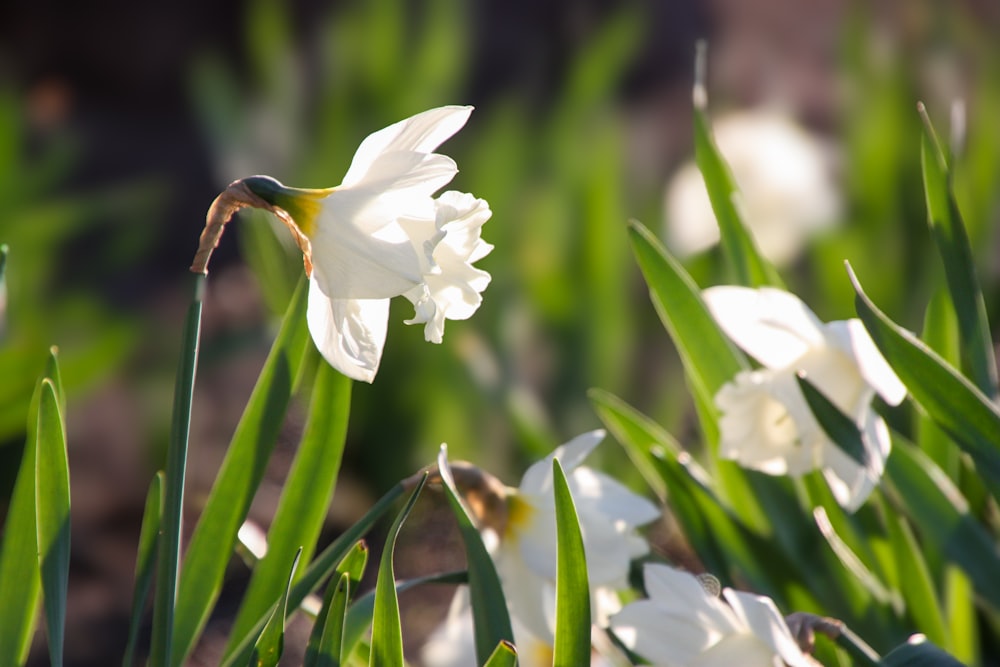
772, 326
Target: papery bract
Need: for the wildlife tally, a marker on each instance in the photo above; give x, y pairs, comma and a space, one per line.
766, 423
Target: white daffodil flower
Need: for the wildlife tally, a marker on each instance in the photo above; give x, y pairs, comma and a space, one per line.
681, 625
381, 233
608, 513
787, 189
766, 423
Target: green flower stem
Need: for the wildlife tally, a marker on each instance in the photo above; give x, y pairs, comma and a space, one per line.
173, 501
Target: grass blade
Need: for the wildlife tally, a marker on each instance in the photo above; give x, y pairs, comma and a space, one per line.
572, 631
271, 643
952, 241
145, 563
242, 470
918, 586
387, 634
52, 508
919, 654
489, 606
750, 267
168, 559
305, 497
951, 400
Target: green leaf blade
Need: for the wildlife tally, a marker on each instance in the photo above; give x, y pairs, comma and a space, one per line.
952, 401
271, 643
952, 240
145, 563
489, 607
52, 507
387, 633
305, 497
572, 631
241, 473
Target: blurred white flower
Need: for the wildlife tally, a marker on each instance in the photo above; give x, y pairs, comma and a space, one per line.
609, 514
681, 625
766, 423
381, 234
785, 179
452, 643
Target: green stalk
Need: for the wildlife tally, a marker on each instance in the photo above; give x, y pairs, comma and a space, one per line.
173, 498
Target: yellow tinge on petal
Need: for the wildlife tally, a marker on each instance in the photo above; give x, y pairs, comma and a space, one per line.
519, 515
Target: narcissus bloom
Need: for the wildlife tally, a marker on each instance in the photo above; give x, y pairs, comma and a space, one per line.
681, 625
381, 233
609, 515
766, 423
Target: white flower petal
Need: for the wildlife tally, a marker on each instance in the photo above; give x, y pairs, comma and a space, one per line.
851, 482
871, 364
659, 636
349, 333
607, 496
771, 325
538, 478
421, 133
681, 593
760, 615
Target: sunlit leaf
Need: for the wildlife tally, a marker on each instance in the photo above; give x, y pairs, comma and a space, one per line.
750, 267
305, 496
952, 241
505, 655
162, 652
917, 583
242, 470
953, 402
271, 643
572, 631
387, 634
145, 563
489, 606
52, 509
937, 509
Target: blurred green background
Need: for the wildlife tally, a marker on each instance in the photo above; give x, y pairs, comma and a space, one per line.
119, 123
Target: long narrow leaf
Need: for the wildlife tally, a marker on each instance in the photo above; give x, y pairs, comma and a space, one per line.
952, 241
241, 473
326, 640
572, 631
52, 508
168, 559
505, 655
710, 359
20, 581
750, 267
942, 516
321, 568
918, 586
387, 634
305, 497
953, 402
145, 563
271, 643
919, 654
325, 648
489, 607
359, 615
